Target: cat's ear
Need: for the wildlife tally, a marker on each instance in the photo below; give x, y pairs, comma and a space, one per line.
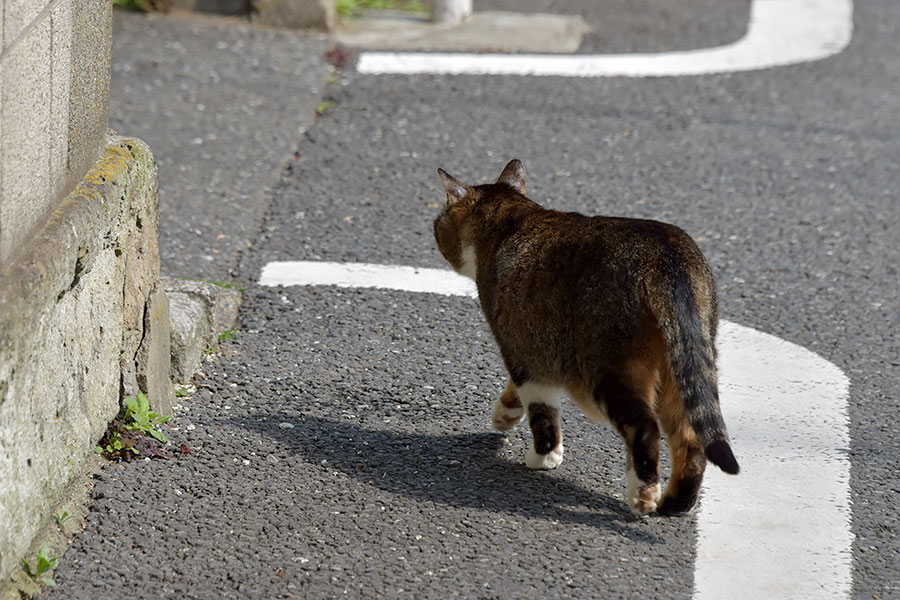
455, 190
514, 175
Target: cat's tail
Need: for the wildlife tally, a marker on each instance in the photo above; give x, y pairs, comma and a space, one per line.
691, 353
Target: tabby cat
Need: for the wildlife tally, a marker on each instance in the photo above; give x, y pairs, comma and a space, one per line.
618, 314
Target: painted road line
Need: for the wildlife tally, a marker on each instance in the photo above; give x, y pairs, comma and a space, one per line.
779, 529
363, 275
782, 527
780, 32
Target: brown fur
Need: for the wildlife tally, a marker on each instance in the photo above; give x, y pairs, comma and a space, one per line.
509, 397
620, 313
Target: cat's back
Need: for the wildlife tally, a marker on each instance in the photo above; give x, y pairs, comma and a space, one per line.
573, 244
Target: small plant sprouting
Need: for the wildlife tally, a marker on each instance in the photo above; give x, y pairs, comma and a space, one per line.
39, 572
228, 335
184, 390
352, 8
226, 284
61, 517
134, 432
327, 105
113, 445
139, 417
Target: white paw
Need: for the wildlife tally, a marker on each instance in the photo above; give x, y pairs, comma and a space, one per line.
641, 498
551, 460
505, 418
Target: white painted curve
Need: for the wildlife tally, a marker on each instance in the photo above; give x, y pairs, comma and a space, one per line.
779, 529
780, 32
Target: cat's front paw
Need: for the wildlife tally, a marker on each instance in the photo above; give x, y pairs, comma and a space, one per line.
643, 499
551, 460
505, 418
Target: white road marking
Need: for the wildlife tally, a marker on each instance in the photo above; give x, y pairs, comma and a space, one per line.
780, 528
780, 32
363, 275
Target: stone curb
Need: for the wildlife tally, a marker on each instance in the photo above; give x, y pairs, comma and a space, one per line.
199, 312
486, 31
294, 14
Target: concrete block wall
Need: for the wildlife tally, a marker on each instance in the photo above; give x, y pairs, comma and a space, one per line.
54, 99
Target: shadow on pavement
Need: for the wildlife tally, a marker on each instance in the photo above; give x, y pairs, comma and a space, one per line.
463, 470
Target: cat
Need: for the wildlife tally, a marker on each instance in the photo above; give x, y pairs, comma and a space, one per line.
617, 314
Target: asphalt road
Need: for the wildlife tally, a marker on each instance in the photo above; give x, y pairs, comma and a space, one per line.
643, 25
222, 105
341, 445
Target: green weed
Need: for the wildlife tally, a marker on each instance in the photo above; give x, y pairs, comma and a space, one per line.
352, 8
227, 284
139, 417
134, 432
113, 446
39, 572
228, 335
327, 105
61, 517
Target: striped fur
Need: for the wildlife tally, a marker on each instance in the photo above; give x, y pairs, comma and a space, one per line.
619, 314
691, 353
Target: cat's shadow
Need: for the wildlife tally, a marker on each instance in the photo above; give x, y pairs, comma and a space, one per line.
463, 470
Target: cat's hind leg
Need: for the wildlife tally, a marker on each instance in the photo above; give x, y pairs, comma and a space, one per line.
508, 409
688, 458
631, 412
542, 404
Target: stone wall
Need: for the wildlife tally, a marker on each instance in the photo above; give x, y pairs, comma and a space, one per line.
75, 311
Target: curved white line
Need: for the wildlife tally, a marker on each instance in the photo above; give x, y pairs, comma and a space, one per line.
366, 275
779, 529
780, 32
